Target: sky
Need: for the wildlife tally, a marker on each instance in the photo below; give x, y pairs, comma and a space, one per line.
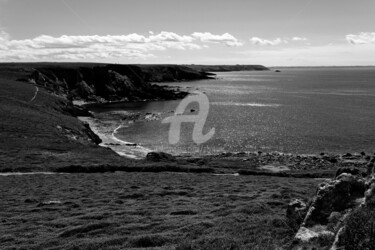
268, 32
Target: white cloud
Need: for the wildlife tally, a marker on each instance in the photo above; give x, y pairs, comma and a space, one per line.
276, 41
67, 47
165, 36
297, 38
265, 42
361, 38
225, 38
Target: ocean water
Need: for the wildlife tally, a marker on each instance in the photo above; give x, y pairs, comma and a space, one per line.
299, 110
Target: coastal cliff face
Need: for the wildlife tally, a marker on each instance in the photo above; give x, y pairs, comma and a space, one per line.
113, 82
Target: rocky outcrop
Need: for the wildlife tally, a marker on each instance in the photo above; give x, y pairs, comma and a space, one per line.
100, 83
295, 213
339, 205
159, 156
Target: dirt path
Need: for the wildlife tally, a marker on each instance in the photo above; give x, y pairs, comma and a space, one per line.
35, 94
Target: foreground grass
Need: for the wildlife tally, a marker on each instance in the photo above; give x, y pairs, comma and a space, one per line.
147, 211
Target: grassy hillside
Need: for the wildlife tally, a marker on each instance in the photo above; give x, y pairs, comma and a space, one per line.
38, 130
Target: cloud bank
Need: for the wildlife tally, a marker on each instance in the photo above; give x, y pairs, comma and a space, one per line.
361, 38
297, 38
137, 46
226, 38
274, 42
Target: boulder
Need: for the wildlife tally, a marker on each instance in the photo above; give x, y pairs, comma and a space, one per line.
159, 156
337, 195
334, 200
330, 159
313, 238
348, 170
295, 213
370, 168
370, 193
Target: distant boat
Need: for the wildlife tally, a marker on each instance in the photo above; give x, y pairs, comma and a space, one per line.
277, 70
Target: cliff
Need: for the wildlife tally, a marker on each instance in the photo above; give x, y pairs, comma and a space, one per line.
111, 82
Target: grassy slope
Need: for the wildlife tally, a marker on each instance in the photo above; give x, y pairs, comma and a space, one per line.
140, 210
39, 134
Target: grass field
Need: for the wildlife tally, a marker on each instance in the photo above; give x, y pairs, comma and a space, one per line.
147, 211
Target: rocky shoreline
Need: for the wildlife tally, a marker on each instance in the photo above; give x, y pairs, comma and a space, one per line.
272, 163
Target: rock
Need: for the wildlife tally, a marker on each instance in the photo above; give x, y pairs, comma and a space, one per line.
295, 213
348, 170
338, 239
363, 153
226, 154
241, 154
335, 218
152, 117
159, 156
370, 168
335, 195
90, 134
331, 159
330, 208
314, 238
370, 193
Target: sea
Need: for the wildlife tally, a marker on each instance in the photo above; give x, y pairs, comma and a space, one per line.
296, 110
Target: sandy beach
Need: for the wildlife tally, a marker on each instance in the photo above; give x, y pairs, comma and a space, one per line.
107, 131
